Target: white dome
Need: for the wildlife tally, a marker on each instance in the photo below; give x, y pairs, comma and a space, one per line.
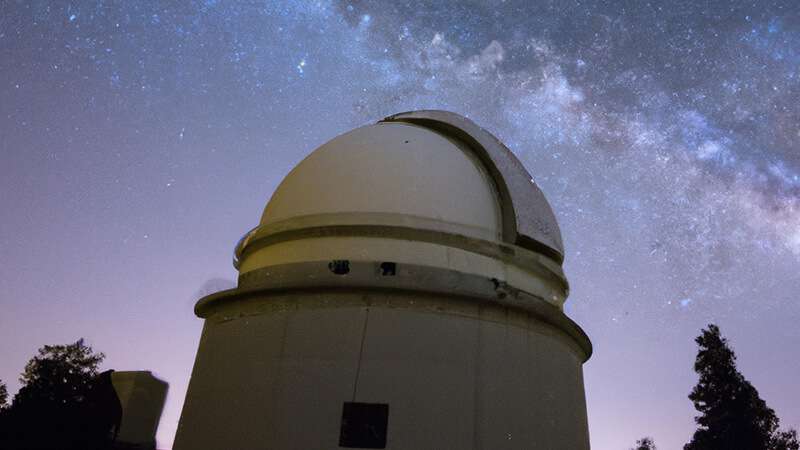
392, 173
419, 176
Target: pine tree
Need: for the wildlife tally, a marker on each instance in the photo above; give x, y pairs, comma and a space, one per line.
732, 415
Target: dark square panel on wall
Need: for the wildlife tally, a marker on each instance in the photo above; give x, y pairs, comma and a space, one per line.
364, 425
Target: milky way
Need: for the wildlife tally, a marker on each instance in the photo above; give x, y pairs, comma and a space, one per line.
138, 141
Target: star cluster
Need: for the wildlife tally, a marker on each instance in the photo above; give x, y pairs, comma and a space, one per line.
139, 140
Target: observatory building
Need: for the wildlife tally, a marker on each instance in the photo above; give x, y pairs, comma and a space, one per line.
403, 290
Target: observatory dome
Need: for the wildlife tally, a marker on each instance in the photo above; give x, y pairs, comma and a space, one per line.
409, 262
422, 177
393, 173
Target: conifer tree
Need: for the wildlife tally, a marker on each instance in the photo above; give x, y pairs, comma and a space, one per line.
732, 414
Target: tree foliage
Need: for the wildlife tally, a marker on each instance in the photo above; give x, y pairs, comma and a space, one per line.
785, 440
732, 414
3, 395
645, 444
60, 404
59, 374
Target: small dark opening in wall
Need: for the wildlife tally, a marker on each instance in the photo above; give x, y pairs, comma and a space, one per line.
339, 266
364, 425
388, 269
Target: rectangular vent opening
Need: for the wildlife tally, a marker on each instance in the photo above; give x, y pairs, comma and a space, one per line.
388, 269
364, 425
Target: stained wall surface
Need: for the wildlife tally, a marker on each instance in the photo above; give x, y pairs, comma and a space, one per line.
276, 371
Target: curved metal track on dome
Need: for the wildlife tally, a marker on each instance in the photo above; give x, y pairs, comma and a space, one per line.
528, 220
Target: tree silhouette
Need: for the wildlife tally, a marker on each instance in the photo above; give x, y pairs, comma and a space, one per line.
732, 415
56, 407
59, 374
785, 440
3, 395
645, 444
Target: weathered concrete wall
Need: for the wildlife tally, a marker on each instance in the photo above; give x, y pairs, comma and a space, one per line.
455, 373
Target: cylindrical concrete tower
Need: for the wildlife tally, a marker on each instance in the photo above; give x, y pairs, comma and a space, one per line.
403, 290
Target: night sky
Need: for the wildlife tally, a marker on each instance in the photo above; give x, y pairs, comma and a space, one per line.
140, 140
